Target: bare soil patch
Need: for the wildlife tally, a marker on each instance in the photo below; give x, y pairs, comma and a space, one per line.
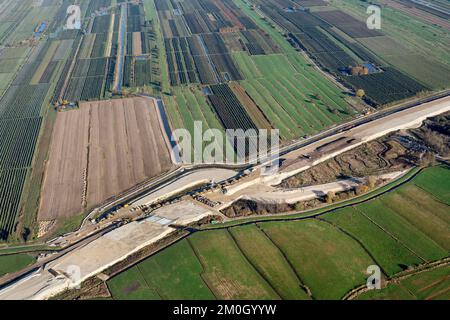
137, 44
100, 151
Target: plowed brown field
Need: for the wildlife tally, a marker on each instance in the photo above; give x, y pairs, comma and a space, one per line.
100, 151
137, 44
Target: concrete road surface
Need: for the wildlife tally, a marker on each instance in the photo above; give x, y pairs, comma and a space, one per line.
72, 269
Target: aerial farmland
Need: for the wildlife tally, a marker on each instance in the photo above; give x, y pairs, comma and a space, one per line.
44, 66
100, 151
88, 154
235, 48
286, 259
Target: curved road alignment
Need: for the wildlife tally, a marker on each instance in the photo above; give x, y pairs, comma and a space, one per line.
339, 130
282, 152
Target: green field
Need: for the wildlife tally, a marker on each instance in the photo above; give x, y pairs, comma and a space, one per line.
174, 279
223, 269
131, 285
388, 253
436, 182
10, 61
407, 234
33, 17
293, 96
189, 105
187, 270
329, 262
270, 262
325, 257
14, 262
416, 214
151, 14
296, 97
226, 270
429, 285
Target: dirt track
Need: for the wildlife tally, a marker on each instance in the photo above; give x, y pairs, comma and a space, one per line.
118, 143
137, 44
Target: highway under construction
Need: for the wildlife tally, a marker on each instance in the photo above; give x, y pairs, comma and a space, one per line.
50, 277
